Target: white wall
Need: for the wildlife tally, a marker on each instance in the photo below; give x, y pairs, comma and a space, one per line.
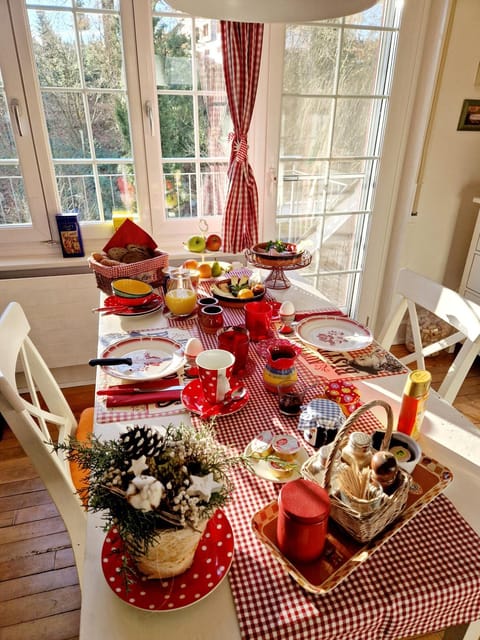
440, 178
437, 240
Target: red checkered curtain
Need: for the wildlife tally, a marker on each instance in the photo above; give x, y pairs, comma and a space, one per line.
242, 50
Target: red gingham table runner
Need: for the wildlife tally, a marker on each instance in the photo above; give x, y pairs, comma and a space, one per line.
426, 577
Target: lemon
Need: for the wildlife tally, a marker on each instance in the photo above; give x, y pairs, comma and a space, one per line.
245, 293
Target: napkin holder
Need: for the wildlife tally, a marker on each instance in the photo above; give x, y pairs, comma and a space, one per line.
363, 527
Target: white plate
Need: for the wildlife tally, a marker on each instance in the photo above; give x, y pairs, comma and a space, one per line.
153, 358
333, 333
261, 468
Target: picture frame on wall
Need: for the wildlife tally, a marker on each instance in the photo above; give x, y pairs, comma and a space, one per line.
470, 116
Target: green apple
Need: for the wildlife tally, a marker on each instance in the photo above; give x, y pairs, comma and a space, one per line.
196, 244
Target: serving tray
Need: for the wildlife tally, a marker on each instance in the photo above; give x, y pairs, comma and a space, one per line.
343, 554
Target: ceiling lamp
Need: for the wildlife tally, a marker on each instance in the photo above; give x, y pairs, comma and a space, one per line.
271, 10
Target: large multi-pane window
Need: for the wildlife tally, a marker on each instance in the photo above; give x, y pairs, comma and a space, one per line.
336, 87
121, 104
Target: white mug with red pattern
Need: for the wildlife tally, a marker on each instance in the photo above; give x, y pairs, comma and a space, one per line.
215, 371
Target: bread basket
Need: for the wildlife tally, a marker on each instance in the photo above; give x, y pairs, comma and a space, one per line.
361, 526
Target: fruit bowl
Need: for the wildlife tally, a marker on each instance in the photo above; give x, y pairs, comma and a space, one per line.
221, 290
262, 255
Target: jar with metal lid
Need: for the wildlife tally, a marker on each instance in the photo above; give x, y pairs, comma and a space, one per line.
358, 450
303, 510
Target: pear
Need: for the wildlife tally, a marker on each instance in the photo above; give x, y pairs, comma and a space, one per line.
216, 269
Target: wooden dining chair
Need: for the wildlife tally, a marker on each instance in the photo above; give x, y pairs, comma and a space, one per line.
43, 418
448, 305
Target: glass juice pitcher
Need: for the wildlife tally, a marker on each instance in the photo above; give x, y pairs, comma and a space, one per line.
180, 298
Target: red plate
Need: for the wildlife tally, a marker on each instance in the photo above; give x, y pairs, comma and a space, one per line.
210, 566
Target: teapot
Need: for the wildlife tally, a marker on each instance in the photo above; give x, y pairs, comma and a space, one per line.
280, 364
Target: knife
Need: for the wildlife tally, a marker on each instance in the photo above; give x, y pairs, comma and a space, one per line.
136, 390
103, 362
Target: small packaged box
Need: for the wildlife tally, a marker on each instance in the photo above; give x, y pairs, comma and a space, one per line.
70, 235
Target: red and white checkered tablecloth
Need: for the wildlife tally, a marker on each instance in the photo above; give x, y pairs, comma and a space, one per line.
426, 577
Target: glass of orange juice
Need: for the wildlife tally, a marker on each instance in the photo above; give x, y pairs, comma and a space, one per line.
180, 297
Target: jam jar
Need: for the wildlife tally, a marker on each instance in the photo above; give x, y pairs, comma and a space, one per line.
303, 510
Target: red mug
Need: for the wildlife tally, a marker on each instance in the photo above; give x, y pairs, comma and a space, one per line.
258, 319
210, 318
236, 341
215, 371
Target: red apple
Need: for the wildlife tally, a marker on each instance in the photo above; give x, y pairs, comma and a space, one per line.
214, 242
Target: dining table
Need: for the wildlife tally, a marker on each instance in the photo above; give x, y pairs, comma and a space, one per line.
422, 577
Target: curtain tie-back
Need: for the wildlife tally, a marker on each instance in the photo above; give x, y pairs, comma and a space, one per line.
240, 146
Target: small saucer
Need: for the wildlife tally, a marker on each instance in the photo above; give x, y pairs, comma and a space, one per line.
194, 400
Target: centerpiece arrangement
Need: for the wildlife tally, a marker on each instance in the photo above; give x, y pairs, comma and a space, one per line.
158, 486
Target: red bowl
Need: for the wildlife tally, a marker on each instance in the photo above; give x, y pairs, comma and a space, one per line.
133, 302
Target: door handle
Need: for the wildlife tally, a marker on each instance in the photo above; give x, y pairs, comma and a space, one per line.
15, 105
149, 112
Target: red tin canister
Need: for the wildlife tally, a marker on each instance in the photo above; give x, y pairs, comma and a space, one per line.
303, 510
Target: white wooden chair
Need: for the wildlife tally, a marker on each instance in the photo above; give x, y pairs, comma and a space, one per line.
462, 315
35, 426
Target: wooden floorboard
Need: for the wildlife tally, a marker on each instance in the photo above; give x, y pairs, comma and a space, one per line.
39, 591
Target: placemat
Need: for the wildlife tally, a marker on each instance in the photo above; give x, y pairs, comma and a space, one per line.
105, 415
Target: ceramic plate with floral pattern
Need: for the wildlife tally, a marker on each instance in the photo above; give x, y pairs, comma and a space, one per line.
333, 333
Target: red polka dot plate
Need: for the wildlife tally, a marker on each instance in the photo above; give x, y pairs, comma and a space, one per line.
210, 566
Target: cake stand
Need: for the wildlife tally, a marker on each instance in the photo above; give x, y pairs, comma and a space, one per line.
277, 278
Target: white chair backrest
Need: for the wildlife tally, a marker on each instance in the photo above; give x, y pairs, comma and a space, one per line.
34, 426
464, 316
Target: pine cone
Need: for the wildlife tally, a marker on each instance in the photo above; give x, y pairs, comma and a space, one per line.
141, 441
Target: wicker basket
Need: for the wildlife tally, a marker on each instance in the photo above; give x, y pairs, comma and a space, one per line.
150, 271
362, 527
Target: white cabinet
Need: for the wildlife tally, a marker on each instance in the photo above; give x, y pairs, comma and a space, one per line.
470, 285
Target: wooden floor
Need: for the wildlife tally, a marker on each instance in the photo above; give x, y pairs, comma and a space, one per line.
39, 592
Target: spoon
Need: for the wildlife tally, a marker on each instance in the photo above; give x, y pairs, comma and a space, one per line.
230, 397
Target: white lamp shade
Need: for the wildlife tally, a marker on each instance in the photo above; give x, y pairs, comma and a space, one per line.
271, 10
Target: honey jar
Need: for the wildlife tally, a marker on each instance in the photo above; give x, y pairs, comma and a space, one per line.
303, 510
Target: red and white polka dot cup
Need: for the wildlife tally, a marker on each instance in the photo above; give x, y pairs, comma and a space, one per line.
215, 371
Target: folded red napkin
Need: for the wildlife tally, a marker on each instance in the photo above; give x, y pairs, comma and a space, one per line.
131, 399
145, 386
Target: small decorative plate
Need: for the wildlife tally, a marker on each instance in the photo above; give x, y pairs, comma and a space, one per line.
194, 400
152, 358
210, 566
333, 333
261, 468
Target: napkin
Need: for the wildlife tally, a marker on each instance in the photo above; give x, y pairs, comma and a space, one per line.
132, 399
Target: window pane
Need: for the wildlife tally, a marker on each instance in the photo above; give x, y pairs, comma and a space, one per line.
101, 50
209, 55
214, 126
13, 203
359, 60
352, 126
176, 126
54, 48
180, 190
66, 124
305, 126
308, 48
213, 187
172, 43
110, 128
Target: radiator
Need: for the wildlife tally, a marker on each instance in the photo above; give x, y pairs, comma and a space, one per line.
59, 310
